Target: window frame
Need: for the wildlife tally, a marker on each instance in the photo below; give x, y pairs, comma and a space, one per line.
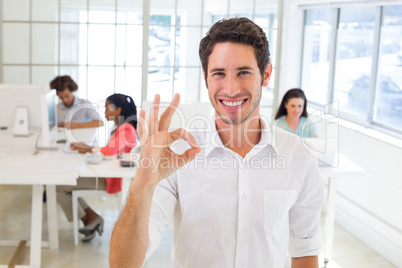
367, 121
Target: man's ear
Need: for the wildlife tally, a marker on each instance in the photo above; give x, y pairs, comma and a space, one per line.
119, 110
267, 74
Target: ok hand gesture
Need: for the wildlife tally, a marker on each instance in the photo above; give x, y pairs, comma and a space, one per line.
158, 161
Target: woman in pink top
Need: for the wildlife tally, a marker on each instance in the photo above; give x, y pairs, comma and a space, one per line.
122, 110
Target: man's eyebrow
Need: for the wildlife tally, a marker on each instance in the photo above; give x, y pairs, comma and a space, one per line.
244, 68
217, 70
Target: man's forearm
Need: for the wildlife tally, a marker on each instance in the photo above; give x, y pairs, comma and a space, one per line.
129, 240
95, 123
305, 262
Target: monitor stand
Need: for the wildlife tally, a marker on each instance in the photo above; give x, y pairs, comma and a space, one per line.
21, 127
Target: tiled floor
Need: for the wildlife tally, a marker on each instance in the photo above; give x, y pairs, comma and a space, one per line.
15, 222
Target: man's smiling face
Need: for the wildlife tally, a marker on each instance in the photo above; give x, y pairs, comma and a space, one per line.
234, 82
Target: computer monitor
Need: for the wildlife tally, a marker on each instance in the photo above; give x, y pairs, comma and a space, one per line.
48, 103
13, 96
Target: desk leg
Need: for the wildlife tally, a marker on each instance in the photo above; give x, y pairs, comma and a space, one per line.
52, 216
330, 218
36, 226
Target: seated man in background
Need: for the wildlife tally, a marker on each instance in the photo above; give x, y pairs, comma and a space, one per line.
73, 112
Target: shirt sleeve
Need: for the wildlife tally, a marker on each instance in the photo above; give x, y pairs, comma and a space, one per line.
121, 141
91, 113
304, 217
162, 212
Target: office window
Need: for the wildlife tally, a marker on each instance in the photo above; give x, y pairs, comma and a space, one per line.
16, 43
316, 53
354, 49
16, 10
161, 55
388, 97
99, 43
73, 11
96, 42
364, 75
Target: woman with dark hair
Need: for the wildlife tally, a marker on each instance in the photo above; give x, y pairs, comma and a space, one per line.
122, 110
292, 114
73, 112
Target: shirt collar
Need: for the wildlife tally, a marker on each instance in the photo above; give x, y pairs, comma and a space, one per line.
268, 134
75, 103
213, 141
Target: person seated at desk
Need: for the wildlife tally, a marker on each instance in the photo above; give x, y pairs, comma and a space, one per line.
292, 114
73, 112
122, 110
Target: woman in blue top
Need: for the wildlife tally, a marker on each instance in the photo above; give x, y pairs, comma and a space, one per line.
292, 114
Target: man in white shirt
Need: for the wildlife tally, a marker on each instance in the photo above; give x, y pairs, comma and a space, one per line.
243, 194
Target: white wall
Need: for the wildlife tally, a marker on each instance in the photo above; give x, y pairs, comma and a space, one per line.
369, 206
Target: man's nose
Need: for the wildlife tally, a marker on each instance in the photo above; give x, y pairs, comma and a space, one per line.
232, 86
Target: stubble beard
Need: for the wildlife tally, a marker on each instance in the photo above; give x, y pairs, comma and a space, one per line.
255, 101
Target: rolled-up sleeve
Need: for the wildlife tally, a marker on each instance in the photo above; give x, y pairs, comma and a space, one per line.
162, 212
92, 114
304, 218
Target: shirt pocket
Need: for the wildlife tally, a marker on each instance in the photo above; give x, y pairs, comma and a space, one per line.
277, 204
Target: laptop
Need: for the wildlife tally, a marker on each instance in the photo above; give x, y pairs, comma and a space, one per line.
324, 149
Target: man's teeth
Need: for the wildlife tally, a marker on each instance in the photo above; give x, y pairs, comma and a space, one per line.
231, 104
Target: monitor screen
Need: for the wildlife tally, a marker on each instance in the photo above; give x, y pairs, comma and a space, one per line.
51, 109
48, 103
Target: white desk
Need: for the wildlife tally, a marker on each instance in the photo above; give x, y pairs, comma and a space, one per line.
346, 167
111, 169
20, 165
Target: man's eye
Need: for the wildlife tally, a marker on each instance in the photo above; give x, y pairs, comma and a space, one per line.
219, 74
244, 72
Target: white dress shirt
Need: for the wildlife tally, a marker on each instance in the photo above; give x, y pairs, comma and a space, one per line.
82, 111
233, 212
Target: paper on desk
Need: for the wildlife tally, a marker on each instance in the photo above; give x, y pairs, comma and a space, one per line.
59, 155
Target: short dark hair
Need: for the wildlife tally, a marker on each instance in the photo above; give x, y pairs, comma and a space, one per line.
236, 30
290, 94
128, 108
62, 82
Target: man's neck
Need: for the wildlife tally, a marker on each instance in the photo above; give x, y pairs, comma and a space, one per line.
240, 138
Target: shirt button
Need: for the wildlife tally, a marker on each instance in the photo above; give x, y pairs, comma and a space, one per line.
243, 231
244, 196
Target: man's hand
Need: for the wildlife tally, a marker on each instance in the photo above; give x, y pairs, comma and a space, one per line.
81, 147
70, 124
158, 161
130, 238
